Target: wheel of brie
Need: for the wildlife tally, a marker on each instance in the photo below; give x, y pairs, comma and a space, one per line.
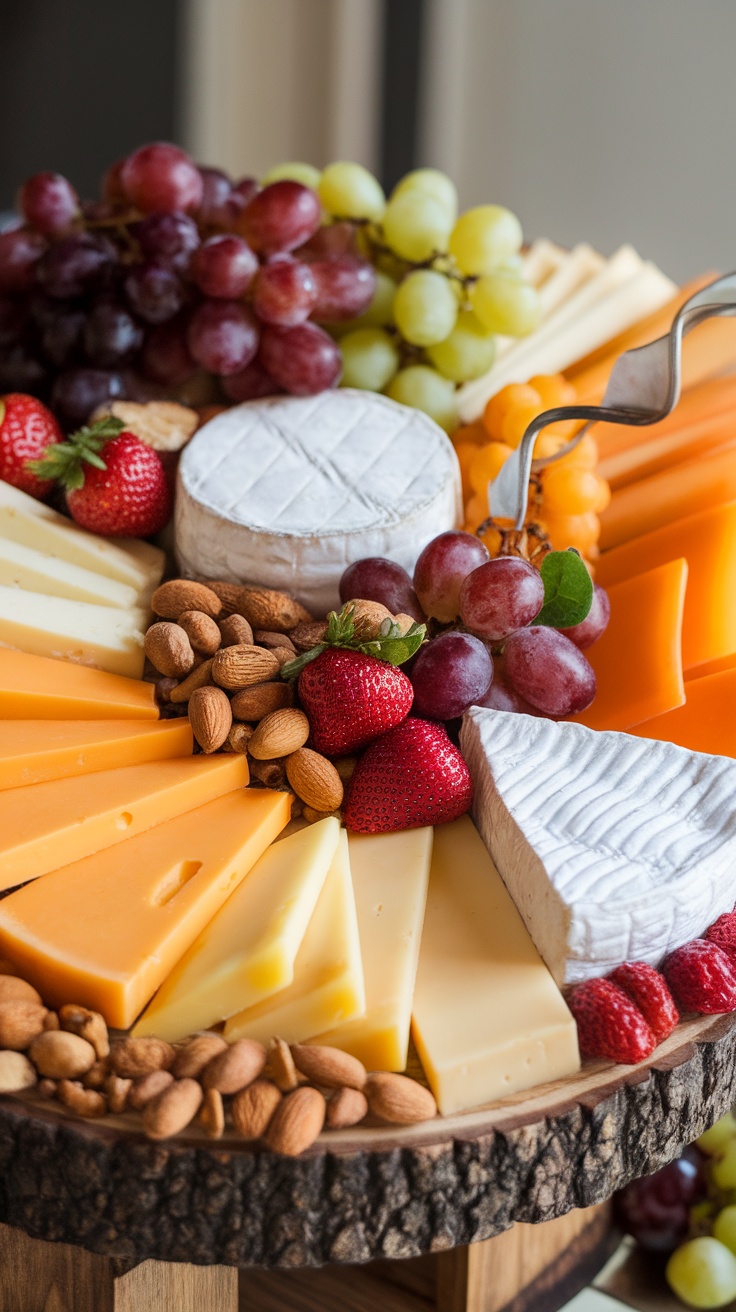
288, 491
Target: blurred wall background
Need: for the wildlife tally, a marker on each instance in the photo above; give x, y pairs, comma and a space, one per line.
592, 119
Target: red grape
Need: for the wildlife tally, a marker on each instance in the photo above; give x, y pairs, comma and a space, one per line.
249, 384
376, 579
503, 595
595, 623
48, 202
111, 335
303, 360
501, 698
112, 185
345, 287
165, 356
21, 371
217, 189
20, 251
280, 217
246, 189
548, 670
222, 336
329, 241
61, 337
656, 1209
224, 267
284, 293
441, 569
154, 292
161, 177
77, 392
76, 264
13, 319
168, 238
450, 674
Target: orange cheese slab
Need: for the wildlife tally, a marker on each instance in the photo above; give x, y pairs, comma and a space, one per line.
707, 721
653, 455
672, 494
107, 930
708, 543
35, 751
638, 661
39, 688
708, 403
49, 825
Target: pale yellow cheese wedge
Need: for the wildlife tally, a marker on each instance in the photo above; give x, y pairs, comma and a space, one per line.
247, 952
106, 931
488, 1019
24, 567
36, 751
390, 877
328, 974
99, 636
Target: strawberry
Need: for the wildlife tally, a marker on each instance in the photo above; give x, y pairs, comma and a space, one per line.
723, 932
27, 428
702, 977
609, 1024
115, 484
411, 776
351, 699
649, 990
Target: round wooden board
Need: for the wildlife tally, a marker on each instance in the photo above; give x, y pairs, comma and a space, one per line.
371, 1192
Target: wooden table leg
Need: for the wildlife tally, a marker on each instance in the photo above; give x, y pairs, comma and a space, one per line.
41, 1277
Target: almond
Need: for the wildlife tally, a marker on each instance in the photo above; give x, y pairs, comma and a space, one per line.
201, 677
306, 636
269, 773
243, 665
264, 638
313, 817
169, 649
164, 689
90, 1025
229, 595
398, 1099
201, 630
20, 1023
283, 655
330, 1067
281, 1066
212, 1114
264, 608
236, 631
116, 1092
147, 1087
297, 1122
16, 1072
253, 1108
368, 617
97, 1075
83, 1102
162, 425
61, 1056
239, 737
345, 766
256, 702
346, 1107
132, 1057
13, 988
51, 1021
192, 1057
314, 779
171, 599
173, 1110
279, 734
234, 1069
46, 1089
210, 717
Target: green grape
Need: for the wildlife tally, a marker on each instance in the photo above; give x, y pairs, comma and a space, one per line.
467, 353
483, 238
293, 171
724, 1227
380, 312
723, 1168
369, 359
433, 183
425, 307
715, 1140
703, 1273
350, 192
505, 304
425, 389
416, 226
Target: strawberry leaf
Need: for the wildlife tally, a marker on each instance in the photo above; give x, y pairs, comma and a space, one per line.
65, 461
390, 645
568, 590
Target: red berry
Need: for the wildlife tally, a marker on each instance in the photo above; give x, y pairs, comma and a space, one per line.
161, 177
48, 202
609, 1024
723, 932
351, 699
280, 217
26, 428
129, 498
412, 776
649, 990
702, 977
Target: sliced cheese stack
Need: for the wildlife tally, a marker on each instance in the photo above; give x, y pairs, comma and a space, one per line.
36, 688
38, 751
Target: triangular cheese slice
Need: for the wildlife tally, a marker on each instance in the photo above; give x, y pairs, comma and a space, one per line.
107, 930
36, 751
614, 848
40, 688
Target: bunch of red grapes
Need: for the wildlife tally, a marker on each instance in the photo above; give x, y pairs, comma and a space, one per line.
486, 649
176, 270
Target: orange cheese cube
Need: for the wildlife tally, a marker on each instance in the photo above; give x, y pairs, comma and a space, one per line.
107, 930
706, 723
49, 825
670, 495
708, 543
39, 688
637, 661
35, 751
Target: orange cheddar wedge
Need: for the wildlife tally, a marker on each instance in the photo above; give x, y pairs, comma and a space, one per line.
49, 825
36, 751
107, 930
706, 404
637, 661
651, 457
708, 543
39, 688
668, 496
707, 721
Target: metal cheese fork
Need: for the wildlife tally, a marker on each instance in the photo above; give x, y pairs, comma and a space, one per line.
644, 386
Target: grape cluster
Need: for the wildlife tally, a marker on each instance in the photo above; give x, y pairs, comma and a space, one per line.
486, 649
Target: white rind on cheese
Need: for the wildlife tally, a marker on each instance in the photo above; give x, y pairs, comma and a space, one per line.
613, 848
288, 491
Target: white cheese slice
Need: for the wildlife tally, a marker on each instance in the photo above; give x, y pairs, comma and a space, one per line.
540, 261
101, 636
22, 567
613, 848
288, 491
575, 269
